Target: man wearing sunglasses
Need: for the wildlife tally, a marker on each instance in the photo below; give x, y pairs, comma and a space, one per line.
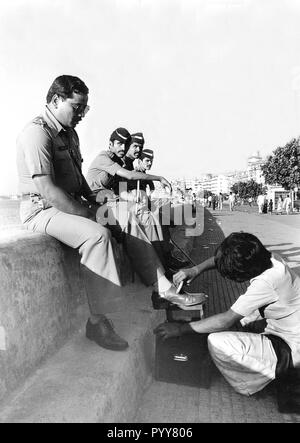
52, 185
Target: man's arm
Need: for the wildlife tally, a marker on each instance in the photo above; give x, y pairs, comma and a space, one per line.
189, 274
215, 323
86, 192
135, 175
59, 199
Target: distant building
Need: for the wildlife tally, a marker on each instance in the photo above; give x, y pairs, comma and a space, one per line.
254, 168
217, 183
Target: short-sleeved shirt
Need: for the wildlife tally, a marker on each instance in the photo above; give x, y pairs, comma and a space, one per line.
277, 288
102, 173
44, 147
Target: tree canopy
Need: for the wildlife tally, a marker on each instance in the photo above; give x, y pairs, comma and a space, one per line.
282, 167
248, 189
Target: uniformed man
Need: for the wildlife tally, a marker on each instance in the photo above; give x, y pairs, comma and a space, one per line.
141, 160
53, 187
106, 175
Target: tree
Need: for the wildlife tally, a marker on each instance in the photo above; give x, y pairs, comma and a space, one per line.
282, 167
248, 189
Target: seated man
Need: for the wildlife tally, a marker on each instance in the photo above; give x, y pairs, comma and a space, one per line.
108, 175
249, 361
141, 160
161, 209
105, 178
57, 200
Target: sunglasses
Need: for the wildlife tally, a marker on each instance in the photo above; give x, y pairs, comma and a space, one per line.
80, 109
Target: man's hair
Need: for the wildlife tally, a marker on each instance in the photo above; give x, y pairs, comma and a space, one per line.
65, 85
241, 256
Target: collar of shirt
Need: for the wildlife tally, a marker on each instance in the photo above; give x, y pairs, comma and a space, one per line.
52, 122
115, 158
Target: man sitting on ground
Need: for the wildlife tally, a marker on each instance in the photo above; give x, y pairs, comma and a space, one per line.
249, 361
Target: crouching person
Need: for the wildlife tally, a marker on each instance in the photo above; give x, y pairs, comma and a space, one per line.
249, 361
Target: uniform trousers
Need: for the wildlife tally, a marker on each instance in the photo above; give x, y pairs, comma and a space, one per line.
94, 244
141, 236
246, 360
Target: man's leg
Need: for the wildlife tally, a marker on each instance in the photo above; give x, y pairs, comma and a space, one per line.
100, 273
246, 360
142, 254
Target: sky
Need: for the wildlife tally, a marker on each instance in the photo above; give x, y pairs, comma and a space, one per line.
208, 82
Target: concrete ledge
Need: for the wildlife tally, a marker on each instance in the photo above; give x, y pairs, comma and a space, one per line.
83, 383
42, 301
42, 304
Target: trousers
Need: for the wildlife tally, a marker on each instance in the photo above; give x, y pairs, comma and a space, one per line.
141, 236
246, 360
94, 244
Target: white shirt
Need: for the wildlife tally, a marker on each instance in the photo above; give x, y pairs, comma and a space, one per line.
278, 287
287, 201
260, 199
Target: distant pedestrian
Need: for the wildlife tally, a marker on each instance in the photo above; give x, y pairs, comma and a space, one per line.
209, 201
250, 200
214, 202
260, 203
265, 207
220, 201
287, 203
270, 206
231, 201
279, 205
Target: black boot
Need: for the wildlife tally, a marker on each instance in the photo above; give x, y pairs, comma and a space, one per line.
104, 335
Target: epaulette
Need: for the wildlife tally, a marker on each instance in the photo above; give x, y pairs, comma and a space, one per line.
39, 121
110, 154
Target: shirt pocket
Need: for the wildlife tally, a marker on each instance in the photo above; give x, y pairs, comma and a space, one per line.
62, 161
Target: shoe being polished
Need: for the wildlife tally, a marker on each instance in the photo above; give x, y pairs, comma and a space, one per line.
104, 335
185, 300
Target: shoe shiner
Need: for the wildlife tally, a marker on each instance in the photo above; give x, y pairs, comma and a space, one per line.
249, 361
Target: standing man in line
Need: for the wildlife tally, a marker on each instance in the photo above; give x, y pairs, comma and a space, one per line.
49, 168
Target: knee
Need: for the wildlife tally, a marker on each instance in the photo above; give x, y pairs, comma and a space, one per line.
217, 343
101, 235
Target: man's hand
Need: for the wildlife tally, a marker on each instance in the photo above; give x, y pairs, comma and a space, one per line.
185, 275
166, 184
167, 330
105, 195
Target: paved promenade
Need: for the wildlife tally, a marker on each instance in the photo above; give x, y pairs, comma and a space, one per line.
165, 402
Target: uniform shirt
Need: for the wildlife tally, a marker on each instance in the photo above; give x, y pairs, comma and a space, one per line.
132, 185
103, 170
44, 147
279, 288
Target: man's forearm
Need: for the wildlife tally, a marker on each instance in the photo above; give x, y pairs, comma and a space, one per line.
136, 175
215, 323
205, 265
65, 203
87, 193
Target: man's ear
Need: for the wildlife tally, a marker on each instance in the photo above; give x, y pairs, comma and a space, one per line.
111, 144
54, 100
